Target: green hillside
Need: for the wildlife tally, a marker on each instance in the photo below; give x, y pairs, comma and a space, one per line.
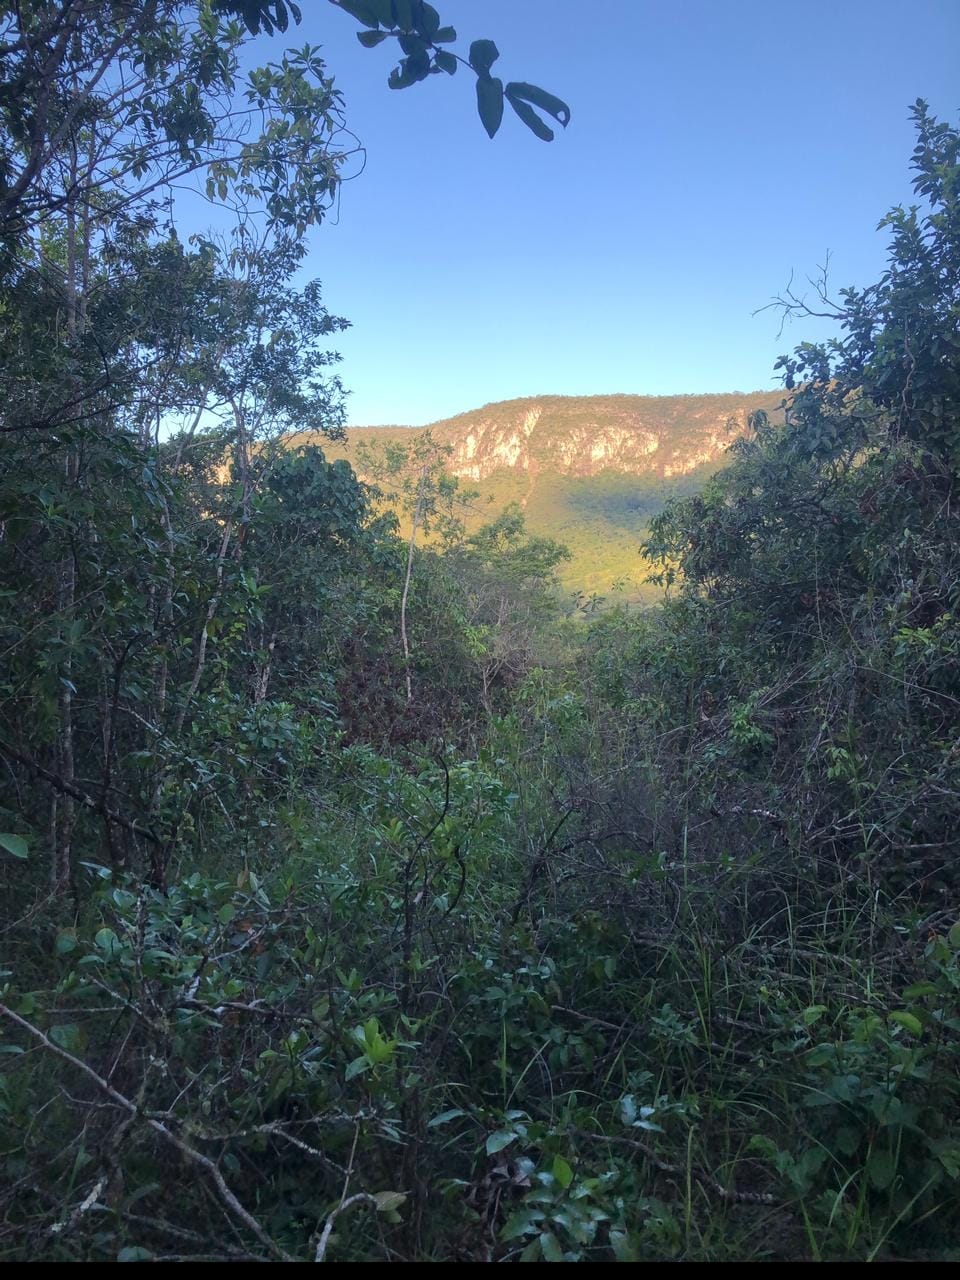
589, 471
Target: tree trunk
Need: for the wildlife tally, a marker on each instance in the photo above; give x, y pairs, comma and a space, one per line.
404, 639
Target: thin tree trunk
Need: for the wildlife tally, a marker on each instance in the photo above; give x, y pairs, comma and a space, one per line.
204, 634
263, 676
61, 867
404, 639
167, 606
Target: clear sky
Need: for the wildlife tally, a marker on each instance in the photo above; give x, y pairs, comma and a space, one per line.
715, 146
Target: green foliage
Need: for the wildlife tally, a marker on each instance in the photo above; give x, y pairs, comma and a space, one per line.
361, 903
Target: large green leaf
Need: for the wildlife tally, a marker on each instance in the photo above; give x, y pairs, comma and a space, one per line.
15, 845
562, 1172
909, 1021
389, 1200
497, 1141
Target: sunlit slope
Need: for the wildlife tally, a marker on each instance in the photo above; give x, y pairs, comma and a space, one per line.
590, 471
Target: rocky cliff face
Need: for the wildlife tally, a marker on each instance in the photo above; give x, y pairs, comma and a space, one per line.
633, 443
581, 436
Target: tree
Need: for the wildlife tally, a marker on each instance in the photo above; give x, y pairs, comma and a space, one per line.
825, 558
415, 481
144, 573
107, 103
508, 585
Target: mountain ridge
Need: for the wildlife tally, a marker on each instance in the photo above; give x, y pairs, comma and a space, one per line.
589, 471
499, 430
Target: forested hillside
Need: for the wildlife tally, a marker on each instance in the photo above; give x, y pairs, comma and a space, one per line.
588, 471
362, 900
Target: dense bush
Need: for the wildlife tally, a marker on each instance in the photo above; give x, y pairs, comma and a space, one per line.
362, 901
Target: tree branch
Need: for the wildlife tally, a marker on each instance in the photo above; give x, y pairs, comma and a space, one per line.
195, 1157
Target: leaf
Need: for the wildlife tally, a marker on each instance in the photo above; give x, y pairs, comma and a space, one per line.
446, 35
483, 54
813, 1013
562, 1172
522, 1223
538, 97
106, 940
363, 12
141, 1192
760, 1142
370, 39
15, 845
357, 1066
847, 1139
551, 1247
134, 1253
521, 95
413, 44
490, 103
919, 990
403, 14
953, 937
909, 1021
821, 1054
497, 1141
645, 1122
623, 1247
881, 1169
66, 1035
531, 119
388, 1201
409, 72
103, 872
445, 1117
428, 21
445, 61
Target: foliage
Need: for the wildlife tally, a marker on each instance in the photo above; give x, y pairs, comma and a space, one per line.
627, 937
424, 39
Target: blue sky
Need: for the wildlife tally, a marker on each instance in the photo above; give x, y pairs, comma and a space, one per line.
715, 146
